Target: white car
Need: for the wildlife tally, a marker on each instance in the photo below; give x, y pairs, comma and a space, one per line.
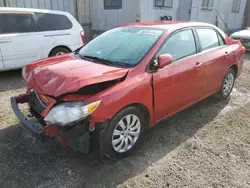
27, 35
243, 36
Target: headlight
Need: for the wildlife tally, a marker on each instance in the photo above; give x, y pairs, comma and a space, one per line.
70, 112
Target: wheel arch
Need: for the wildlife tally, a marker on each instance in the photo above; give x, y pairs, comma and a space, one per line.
145, 111
59, 46
235, 68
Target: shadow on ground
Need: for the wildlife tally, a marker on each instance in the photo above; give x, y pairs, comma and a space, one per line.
11, 80
27, 162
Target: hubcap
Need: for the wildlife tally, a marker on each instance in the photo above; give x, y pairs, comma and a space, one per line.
126, 133
60, 53
228, 84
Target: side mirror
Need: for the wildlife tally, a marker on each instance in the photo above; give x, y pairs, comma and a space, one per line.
164, 60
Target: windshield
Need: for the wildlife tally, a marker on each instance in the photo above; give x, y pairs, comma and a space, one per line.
122, 46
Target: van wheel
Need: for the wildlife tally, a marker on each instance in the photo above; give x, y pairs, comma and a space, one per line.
124, 132
59, 51
227, 85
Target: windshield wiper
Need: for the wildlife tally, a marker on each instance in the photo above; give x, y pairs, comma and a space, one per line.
78, 54
104, 61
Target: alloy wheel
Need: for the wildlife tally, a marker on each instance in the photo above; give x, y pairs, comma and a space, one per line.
126, 133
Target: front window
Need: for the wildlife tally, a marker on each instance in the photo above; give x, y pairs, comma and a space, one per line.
125, 46
179, 45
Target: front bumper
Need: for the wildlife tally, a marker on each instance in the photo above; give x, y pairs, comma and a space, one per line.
76, 136
32, 124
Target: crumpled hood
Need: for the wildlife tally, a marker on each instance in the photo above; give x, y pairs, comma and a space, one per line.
244, 34
65, 74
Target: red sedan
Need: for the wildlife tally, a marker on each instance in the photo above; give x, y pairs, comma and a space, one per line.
104, 95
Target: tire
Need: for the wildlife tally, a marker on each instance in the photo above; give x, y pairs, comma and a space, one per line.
116, 137
227, 85
59, 51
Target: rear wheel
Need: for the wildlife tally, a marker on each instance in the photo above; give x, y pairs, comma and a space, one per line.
124, 133
227, 85
59, 51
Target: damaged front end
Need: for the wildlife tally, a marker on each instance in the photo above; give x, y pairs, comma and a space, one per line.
68, 122
57, 93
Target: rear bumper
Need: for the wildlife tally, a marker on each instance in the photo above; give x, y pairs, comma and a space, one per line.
32, 125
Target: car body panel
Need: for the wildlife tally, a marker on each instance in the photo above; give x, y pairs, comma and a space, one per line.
177, 85
159, 93
66, 74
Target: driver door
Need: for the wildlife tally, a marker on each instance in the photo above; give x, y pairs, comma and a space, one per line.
179, 84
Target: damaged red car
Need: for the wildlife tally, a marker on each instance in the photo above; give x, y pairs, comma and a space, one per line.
106, 94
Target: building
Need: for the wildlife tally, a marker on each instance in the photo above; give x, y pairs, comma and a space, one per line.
97, 16
226, 14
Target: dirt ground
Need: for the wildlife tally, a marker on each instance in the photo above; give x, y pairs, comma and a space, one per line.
207, 145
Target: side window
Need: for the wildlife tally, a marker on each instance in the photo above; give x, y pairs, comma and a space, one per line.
221, 40
112, 4
52, 22
17, 23
179, 45
208, 38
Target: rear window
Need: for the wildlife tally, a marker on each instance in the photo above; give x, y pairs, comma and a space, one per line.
53, 22
17, 23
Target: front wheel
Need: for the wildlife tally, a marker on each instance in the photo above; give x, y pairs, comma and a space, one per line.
227, 85
124, 132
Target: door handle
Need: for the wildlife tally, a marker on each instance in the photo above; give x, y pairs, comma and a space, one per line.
5, 40
226, 55
197, 65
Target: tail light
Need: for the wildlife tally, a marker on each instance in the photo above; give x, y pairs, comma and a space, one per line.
82, 36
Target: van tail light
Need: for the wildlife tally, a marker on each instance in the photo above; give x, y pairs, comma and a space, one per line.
82, 36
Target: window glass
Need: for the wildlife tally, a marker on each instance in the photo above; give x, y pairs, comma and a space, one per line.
17, 23
168, 3
180, 45
112, 4
236, 6
208, 38
124, 45
52, 22
164, 3
207, 4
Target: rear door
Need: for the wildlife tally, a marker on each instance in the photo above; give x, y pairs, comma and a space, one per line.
19, 41
215, 54
180, 83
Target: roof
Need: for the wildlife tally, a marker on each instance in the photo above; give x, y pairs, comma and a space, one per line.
168, 24
30, 10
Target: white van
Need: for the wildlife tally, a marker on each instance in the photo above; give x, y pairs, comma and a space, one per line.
27, 35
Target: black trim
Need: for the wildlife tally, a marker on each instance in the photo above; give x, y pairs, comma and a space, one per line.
31, 125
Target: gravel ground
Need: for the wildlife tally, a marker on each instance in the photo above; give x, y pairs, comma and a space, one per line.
207, 145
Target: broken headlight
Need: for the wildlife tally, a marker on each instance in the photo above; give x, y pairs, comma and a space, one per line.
70, 112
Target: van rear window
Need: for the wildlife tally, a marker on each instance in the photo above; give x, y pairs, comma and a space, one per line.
53, 22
